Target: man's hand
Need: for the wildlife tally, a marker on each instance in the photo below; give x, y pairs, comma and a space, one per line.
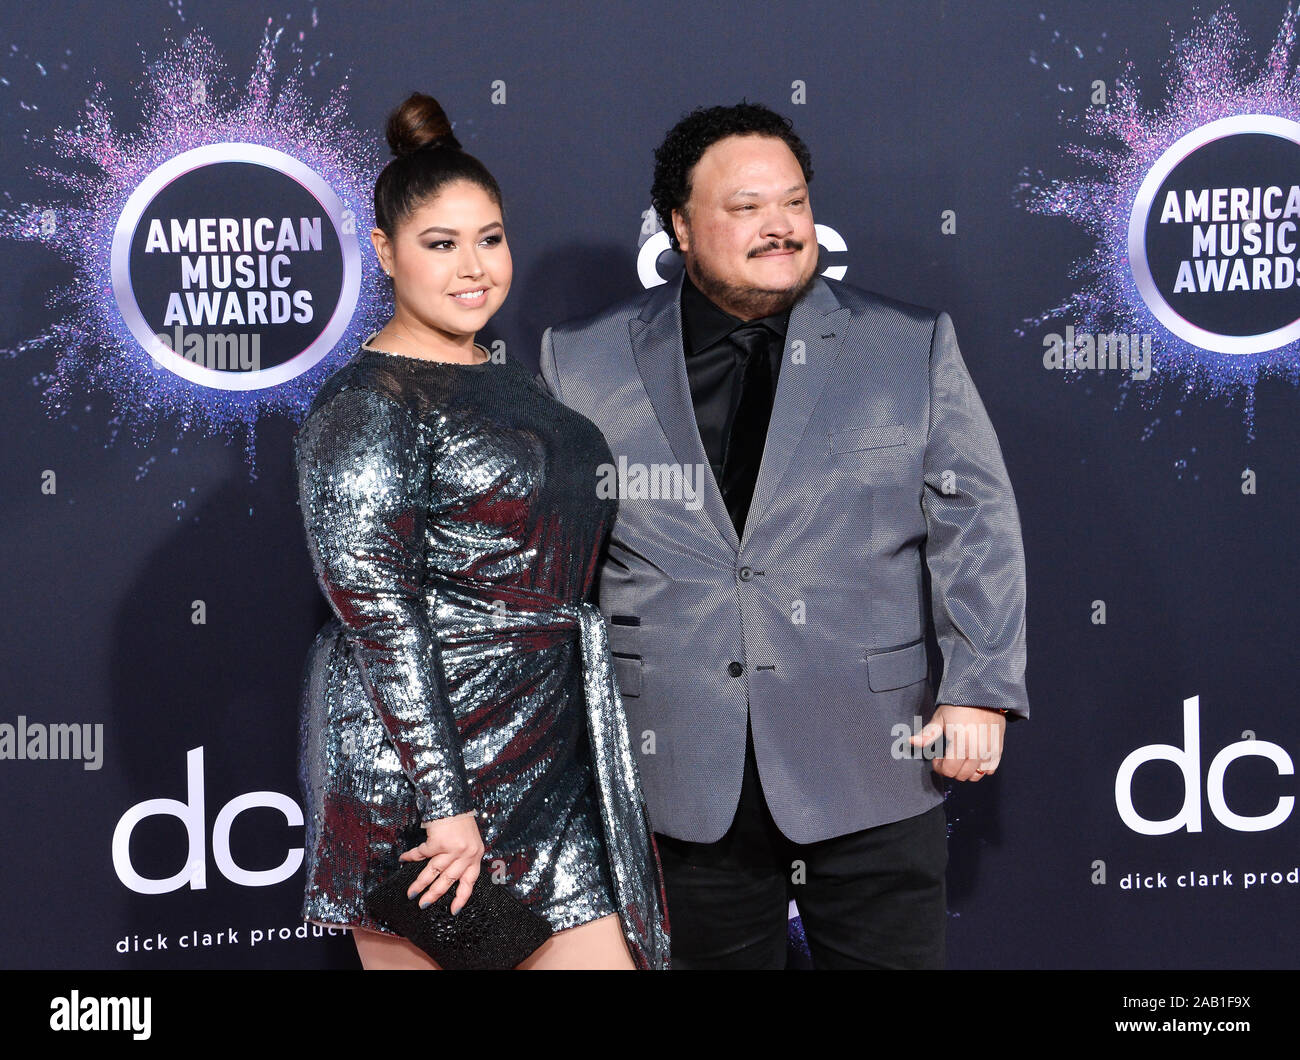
972, 740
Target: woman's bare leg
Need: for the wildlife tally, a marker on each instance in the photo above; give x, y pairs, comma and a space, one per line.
595, 944
381, 952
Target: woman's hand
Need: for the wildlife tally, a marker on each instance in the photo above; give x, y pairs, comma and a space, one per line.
454, 850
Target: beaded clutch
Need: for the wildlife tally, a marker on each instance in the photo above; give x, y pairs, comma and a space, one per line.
493, 931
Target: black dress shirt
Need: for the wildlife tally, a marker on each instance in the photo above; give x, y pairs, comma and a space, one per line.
713, 368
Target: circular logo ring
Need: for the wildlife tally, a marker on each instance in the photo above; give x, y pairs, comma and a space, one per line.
124, 291
1267, 124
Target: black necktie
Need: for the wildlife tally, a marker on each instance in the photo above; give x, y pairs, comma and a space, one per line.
749, 427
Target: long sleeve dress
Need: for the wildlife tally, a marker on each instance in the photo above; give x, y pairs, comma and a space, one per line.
454, 523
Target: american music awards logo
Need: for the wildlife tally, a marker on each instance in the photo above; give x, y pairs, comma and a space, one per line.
236, 266
1213, 237
1195, 211
218, 276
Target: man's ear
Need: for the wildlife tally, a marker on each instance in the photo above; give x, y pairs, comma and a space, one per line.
681, 229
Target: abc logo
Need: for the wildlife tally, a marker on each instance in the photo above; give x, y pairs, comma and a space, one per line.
647, 259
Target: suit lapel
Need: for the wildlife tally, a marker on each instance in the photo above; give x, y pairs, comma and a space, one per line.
817, 323
660, 358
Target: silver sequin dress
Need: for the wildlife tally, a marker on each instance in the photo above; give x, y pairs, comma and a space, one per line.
455, 527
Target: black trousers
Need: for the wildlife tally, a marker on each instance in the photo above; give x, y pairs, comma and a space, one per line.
869, 899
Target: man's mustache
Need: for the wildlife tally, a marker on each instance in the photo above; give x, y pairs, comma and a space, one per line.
788, 244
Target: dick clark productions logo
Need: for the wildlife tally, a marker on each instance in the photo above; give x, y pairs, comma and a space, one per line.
1213, 240
236, 266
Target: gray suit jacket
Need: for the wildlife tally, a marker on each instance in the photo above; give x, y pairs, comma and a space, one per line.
880, 461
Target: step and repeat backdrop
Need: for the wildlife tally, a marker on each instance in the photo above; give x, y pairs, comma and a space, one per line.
1104, 196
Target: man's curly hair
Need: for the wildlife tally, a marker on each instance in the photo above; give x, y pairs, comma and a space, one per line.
687, 141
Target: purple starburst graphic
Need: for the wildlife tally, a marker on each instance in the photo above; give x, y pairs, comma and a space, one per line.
1211, 75
187, 99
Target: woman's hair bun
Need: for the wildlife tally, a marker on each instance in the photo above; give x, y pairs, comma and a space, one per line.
419, 122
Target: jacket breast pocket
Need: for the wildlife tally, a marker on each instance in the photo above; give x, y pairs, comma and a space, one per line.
627, 674
857, 439
897, 668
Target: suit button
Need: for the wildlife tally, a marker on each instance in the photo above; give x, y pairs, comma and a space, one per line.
745, 574
735, 669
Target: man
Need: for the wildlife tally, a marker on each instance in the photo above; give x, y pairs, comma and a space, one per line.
769, 638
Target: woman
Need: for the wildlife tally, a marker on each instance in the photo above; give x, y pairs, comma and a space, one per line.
464, 684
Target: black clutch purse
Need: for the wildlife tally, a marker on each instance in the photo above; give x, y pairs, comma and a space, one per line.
493, 931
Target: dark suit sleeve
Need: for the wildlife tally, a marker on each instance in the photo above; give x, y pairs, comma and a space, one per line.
363, 489
973, 547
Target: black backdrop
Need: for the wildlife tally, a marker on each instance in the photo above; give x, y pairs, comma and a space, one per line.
912, 109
